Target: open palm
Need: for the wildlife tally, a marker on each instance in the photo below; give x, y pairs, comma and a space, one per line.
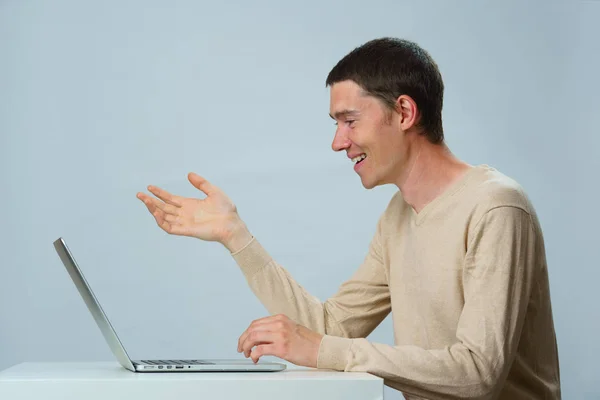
208, 219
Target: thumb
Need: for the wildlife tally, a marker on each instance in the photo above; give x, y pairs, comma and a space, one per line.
201, 183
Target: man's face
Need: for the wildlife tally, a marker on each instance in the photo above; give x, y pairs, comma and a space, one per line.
366, 127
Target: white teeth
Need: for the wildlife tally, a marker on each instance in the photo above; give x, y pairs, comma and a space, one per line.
358, 158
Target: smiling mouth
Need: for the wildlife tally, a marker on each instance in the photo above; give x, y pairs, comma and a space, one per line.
358, 159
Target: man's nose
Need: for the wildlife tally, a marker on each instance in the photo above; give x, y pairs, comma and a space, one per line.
340, 141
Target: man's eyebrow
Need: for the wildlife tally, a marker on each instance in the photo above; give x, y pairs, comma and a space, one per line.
343, 113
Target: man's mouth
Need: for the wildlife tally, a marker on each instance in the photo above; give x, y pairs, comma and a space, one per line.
358, 159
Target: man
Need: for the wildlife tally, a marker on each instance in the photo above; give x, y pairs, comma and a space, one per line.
458, 255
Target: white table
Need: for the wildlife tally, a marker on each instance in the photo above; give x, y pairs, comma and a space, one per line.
108, 380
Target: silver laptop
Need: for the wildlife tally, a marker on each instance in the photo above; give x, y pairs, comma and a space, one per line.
207, 365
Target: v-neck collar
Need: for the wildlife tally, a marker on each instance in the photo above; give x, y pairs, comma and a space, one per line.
419, 217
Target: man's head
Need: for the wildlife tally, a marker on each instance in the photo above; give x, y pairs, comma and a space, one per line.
385, 94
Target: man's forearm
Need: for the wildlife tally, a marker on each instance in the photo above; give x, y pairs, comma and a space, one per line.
359, 305
275, 287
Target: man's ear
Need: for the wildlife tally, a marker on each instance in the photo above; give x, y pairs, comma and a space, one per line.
408, 111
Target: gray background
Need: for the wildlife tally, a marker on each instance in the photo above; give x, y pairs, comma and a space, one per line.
99, 100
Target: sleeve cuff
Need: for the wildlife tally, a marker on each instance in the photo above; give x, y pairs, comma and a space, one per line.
252, 257
334, 353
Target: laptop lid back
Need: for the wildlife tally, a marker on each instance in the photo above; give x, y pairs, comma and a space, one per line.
92, 304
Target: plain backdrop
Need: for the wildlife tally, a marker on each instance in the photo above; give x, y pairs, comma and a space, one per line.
100, 99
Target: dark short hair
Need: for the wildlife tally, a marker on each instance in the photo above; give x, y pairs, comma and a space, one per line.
387, 68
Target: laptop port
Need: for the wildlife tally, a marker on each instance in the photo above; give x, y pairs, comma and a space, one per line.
179, 366
160, 367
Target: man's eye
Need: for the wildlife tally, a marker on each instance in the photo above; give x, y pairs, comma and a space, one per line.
349, 122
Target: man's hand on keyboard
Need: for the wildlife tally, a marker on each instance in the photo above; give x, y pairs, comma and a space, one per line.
281, 337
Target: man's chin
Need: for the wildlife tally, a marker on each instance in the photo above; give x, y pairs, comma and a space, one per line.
367, 183
371, 182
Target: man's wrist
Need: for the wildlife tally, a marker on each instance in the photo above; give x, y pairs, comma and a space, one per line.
237, 236
334, 352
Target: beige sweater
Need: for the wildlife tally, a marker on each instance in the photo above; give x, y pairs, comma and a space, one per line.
466, 282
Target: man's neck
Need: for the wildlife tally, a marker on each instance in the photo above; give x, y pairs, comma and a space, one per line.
433, 170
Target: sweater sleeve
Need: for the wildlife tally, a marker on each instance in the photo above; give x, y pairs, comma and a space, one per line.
357, 307
498, 275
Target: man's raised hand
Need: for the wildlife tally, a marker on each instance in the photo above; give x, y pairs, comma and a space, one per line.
214, 218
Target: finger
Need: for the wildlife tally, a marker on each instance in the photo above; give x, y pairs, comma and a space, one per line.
259, 324
171, 219
147, 200
253, 327
248, 352
173, 228
167, 208
263, 350
258, 338
143, 197
202, 184
165, 196
166, 222
161, 221
272, 323
165, 211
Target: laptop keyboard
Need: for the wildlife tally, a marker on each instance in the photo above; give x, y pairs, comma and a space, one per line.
176, 362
